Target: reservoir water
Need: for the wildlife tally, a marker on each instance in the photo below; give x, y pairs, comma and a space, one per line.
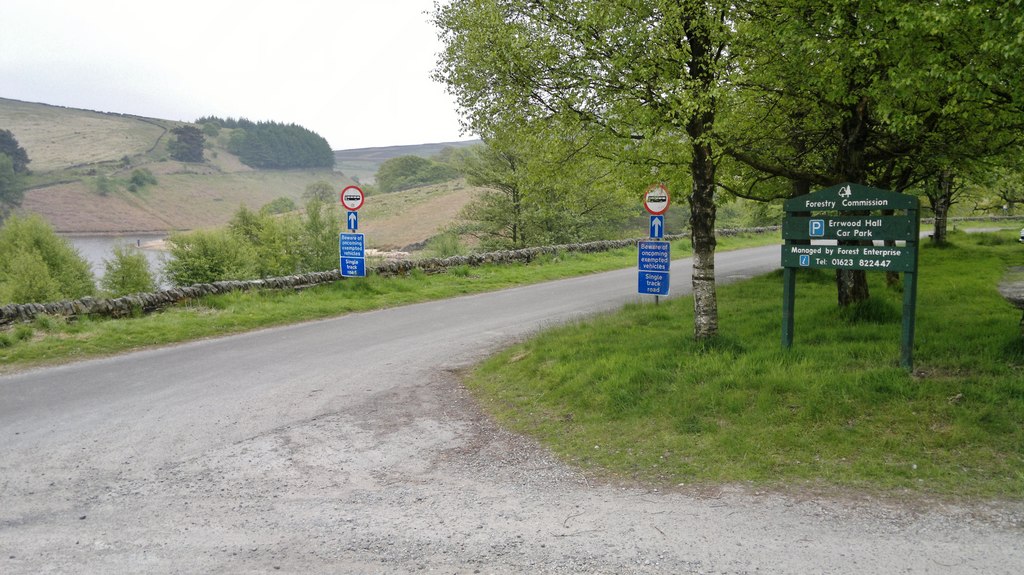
97, 248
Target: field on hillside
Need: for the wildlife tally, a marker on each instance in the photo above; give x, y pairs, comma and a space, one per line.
58, 138
80, 182
395, 221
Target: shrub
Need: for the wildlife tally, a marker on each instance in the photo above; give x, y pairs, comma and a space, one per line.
280, 205
30, 280
37, 265
209, 256
141, 177
104, 185
127, 272
319, 238
446, 245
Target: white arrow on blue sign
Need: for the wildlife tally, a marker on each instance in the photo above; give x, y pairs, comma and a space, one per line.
657, 226
353, 221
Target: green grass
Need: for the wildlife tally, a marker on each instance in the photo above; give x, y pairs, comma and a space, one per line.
54, 341
631, 394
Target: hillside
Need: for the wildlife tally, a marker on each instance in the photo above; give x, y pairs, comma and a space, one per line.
362, 163
82, 162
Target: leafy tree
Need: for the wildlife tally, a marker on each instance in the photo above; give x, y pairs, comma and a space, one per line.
104, 185
37, 265
321, 190
11, 192
127, 272
187, 145
498, 211
280, 205
405, 172
637, 80
535, 195
9, 146
881, 93
1007, 185
141, 177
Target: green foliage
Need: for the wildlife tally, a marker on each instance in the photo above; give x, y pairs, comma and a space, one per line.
210, 129
9, 147
257, 244
321, 190
537, 194
209, 256
37, 265
446, 245
320, 237
271, 145
405, 172
915, 89
18, 334
280, 205
11, 191
127, 272
187, 144
31, 282
141, 177
104, 185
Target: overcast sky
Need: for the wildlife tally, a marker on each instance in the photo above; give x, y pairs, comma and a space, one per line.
357, 72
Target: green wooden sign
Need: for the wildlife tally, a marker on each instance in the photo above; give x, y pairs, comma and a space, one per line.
841, 228
831, 227
870, 258
851, 198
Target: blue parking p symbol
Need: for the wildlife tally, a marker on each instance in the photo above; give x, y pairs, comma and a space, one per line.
817, 228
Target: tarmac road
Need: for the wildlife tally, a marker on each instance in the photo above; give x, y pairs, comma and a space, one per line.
349, 446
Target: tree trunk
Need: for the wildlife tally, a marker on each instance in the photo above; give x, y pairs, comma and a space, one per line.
701, 69
702, 238
852, 285
941, 203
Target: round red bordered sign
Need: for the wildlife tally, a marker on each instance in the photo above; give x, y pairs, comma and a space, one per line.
352, 198
656, 199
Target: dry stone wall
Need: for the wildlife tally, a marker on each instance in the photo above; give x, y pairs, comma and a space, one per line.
146, 302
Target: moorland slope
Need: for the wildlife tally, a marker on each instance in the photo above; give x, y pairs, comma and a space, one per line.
82, 162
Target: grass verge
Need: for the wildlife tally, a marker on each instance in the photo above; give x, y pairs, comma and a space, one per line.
51, 340
632, 394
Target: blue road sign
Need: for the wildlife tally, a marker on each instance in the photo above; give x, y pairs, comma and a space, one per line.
653, 262
816, 228
353, 221
805, 260
652, 283
351, 246
353, 267
657, 227
654, 256
353, 255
